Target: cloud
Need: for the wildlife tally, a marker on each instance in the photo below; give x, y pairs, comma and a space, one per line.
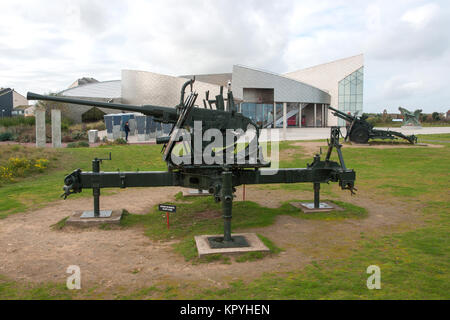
400, 87
421, 16
421, 32
46, 45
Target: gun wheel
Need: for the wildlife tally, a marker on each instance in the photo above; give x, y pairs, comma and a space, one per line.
360, 135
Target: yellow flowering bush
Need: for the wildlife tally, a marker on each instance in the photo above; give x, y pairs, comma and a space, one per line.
41, 164
19, 163
5, 174
20, 167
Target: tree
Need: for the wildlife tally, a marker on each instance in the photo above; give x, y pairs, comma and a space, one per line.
435, 116
423, 117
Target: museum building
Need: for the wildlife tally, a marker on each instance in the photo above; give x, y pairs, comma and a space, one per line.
295, 99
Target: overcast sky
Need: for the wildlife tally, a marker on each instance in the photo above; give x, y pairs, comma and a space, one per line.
46, 45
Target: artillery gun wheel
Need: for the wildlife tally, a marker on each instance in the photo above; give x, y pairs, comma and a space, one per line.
359, 135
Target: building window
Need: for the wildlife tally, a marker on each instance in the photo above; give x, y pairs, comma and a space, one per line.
262, 113
351, 93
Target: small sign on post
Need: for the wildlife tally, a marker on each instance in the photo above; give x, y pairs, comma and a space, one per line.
167, 208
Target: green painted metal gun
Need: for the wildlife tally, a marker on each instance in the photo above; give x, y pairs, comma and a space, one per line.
360, 131
231, 167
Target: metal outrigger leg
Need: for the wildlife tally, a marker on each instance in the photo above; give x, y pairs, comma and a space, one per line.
227, 241
96, 192
332, 143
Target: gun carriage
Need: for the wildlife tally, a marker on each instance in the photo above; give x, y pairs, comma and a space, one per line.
221, 178
361, 131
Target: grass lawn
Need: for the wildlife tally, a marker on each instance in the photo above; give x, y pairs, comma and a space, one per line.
36, 191
423, 124
414, 264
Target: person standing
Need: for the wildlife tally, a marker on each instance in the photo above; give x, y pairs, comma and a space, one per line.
126, 127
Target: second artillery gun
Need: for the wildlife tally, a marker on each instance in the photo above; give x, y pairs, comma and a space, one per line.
360, 131
191, 167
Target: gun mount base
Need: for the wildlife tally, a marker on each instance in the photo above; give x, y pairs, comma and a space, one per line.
91, 214
254, 245
235, 242
308, 207
79, 219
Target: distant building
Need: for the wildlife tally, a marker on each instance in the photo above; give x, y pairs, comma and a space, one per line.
83, 81
105, 91
24, 110
295, 99
9, 100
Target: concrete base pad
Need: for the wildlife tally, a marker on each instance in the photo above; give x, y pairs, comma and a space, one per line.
255, 244
91, 214
308, 207
196, 193
219, 243
77, 221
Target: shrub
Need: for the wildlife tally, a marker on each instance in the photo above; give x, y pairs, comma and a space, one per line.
6, 136
64, 126
100, 126
21, 167
79, 144
79, 135
15, 121
83, 144
120, 141
23, 133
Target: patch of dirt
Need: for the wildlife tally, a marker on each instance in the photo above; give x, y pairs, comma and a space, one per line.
311, 148
288, 154
31, 251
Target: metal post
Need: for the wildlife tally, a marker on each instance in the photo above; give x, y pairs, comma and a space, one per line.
315, 115
167, 216
274, 115
323, 116
316, 195
227, 202
300, 115
96, 186
284, 120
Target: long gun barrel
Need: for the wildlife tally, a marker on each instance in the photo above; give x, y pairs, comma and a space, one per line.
165, 114
342, 115
211, 118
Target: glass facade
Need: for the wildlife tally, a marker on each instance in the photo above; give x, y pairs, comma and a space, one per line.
351, 93
350, 100
292, 110
261, 113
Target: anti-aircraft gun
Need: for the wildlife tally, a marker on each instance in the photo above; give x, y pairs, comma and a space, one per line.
360, 131
217, 166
